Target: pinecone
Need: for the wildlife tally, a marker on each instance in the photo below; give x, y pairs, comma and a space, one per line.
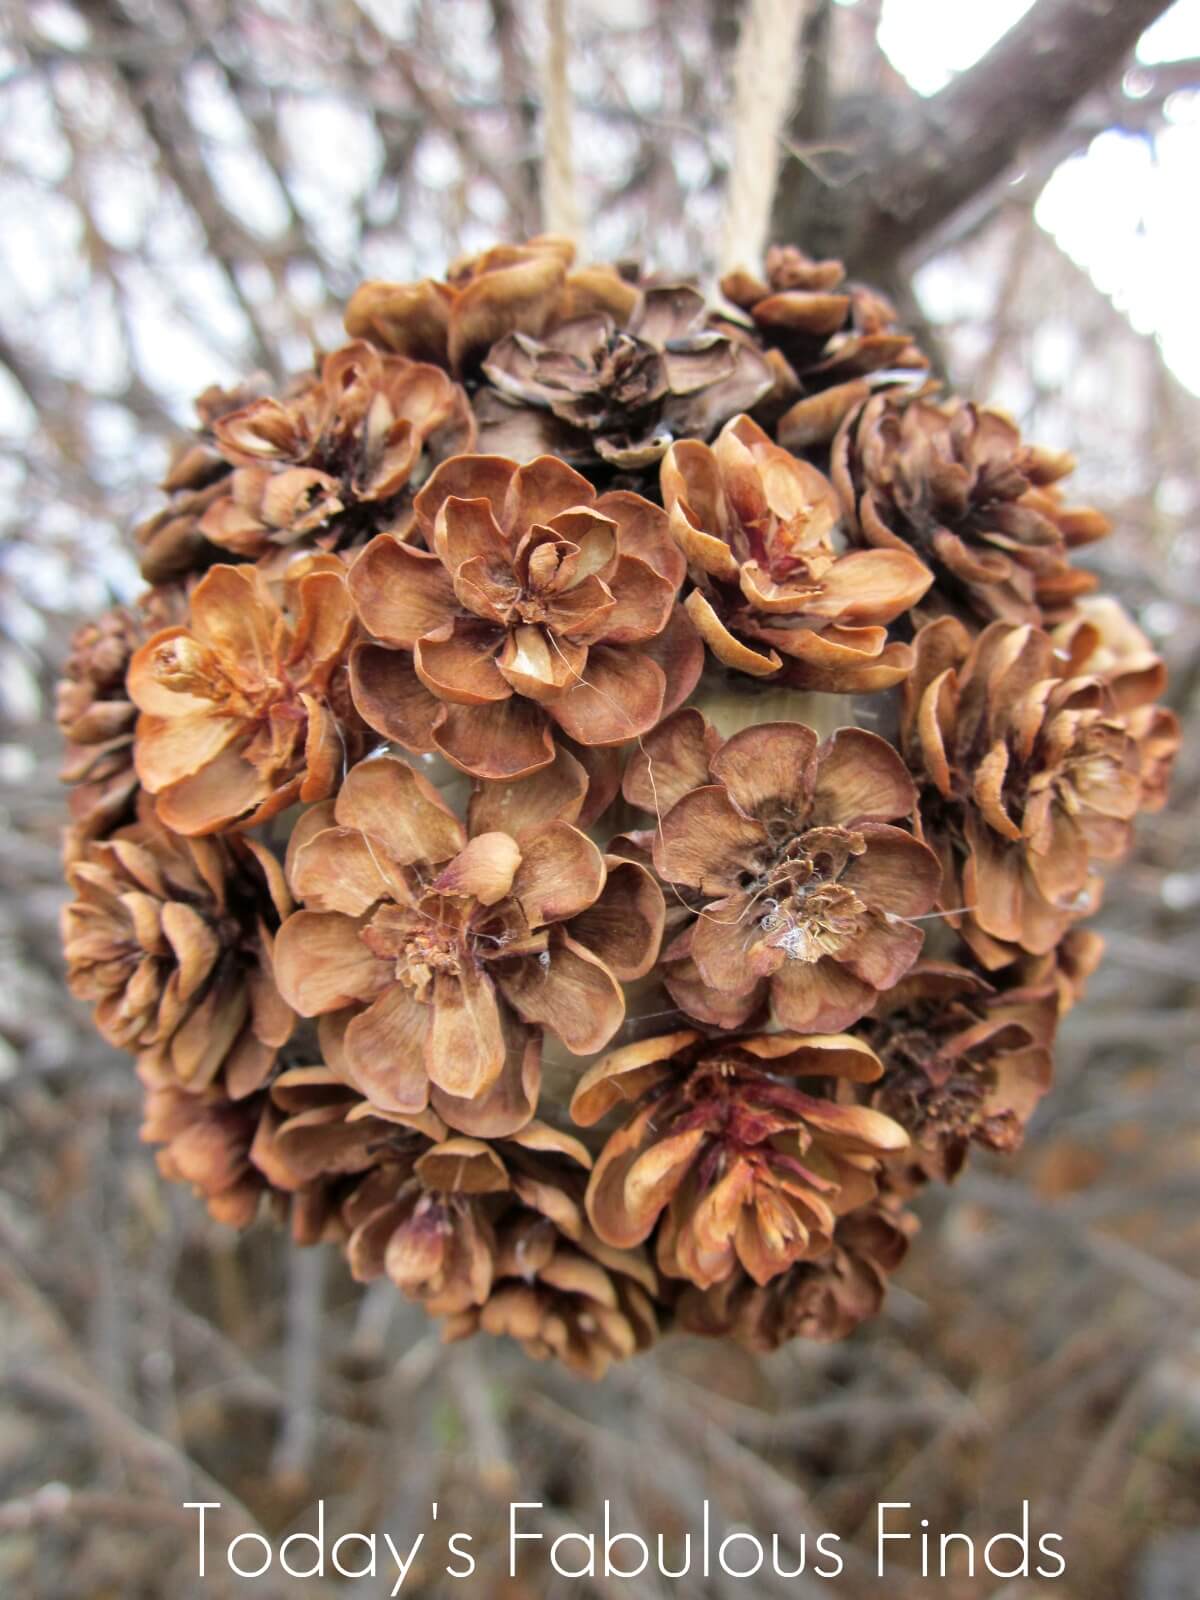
745, 1169
828, 342
171, 543
537, 608
803, 885
332, 463
484, 297
962, 1064
206, 1140
955, 484
824, 1300
436, 957
618, 390
1028, 777
1101, 640
756, 525
172, 940
96, 716
432, 1225
576, 1301
245, 709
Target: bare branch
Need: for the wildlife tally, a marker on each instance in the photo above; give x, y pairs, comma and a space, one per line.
973, 131
931, 158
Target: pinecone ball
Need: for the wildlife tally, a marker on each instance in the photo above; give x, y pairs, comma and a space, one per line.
598, 807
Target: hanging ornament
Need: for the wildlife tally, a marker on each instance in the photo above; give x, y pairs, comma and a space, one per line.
599, 804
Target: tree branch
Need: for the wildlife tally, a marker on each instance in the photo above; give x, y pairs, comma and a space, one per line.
810, 120
974, 130
943, 152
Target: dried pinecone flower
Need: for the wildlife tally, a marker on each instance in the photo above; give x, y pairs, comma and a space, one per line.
570, 1300
618, 389
317, 1128
803, 886
437, 958
1064, 971
329, 464
1029, 778
170, 542
96, 716
316, 1139
216, 1145
206, 1141
962, 1064
431, 1225
245, 709
510, 288
955, 483
744, 1168
171, 939
439, 1249
1102, 640
757, 527
824, 1300
824, 339
537, 607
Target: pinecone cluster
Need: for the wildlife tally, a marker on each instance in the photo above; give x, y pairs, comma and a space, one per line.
598, 804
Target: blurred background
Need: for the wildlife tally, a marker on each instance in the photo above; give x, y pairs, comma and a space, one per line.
188, 189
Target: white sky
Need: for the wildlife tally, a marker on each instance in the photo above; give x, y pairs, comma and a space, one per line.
1126, 211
